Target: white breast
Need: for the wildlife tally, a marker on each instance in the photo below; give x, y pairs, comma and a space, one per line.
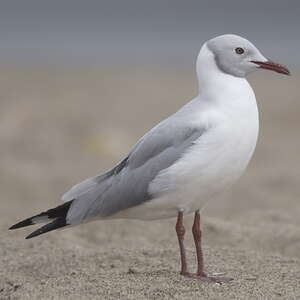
215, 161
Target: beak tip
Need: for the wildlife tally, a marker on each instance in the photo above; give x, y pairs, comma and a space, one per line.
286, 72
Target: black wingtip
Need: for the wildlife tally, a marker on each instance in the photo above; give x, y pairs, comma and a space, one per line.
21, 224
54, 213
36, 233
33, 234
58, 223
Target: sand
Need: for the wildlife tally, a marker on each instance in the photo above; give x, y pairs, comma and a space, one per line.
61, 124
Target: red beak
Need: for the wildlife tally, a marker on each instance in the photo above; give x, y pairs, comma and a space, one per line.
270, 65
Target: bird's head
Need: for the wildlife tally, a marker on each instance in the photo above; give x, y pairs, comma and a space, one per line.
237, 56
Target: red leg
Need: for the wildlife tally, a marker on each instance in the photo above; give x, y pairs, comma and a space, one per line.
197, 233
197, 238
180, 230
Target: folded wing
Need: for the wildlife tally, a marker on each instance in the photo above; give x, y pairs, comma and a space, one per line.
127, 184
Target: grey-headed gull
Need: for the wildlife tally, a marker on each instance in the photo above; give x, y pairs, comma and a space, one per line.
183, 161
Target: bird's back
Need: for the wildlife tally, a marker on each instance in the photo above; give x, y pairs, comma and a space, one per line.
127, 184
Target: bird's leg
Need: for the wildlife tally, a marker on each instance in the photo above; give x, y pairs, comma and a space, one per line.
197, 233
197, 238
180, 230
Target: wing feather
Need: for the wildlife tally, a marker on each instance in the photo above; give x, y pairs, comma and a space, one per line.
127, 184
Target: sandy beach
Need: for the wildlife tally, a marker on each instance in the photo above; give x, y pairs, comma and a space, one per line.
61, 124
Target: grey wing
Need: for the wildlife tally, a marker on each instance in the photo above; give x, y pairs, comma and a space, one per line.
127, 184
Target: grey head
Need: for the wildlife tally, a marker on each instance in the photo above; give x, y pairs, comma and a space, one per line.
237, 56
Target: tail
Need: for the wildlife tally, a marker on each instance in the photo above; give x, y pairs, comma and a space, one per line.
57, 214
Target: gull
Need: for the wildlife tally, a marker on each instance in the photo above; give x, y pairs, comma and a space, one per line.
185, 160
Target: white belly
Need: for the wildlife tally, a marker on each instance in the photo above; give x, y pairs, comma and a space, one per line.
212, 164
218, 157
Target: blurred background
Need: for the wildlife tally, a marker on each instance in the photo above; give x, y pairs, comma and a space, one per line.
81, 81
151, 31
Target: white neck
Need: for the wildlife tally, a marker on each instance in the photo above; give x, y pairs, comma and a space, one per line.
212, 80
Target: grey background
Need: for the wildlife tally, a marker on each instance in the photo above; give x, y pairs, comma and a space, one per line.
72, 30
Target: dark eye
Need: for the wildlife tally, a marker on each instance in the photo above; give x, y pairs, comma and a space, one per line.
239, 50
